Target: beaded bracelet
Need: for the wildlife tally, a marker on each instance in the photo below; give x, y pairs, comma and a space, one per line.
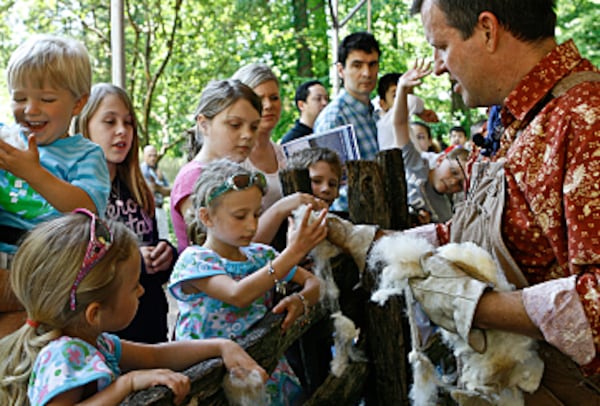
280, 286
305, 303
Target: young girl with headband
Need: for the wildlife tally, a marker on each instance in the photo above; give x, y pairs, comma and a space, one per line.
74, 277
226, 284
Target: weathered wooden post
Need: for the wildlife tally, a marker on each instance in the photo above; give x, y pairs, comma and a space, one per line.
377, 195
328, 389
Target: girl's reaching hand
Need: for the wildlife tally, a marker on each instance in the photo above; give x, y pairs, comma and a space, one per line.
234, 356
146, 378
158, 258
307, 234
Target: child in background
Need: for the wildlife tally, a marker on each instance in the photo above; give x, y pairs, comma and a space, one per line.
429, 190
324, 169
226, 284
311, 354
49, 80
73, 276
109, 120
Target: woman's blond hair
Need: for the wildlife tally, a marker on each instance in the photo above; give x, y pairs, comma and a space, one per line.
42, 275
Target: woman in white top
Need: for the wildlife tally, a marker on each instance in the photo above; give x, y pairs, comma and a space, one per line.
267, 156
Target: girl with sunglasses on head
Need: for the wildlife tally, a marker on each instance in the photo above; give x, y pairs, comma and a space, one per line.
73, 276
108, 119
225, 284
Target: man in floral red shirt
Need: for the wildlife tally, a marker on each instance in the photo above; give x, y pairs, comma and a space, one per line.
504, 52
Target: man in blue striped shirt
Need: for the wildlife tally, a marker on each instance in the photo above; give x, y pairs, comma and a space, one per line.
358, 66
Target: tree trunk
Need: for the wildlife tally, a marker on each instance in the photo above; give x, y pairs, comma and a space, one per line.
304, 67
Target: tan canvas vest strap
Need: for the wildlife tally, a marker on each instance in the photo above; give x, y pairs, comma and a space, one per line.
479, 217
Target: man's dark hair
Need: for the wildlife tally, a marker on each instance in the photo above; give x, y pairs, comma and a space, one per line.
303, 90
358, 41
459, 129
529, 20
385, 82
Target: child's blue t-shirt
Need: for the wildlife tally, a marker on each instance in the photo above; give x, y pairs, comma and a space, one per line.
67, 363
75, 160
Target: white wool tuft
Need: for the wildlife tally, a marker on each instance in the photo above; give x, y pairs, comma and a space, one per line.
321, 254
508, 366
346, 334
11, 135
244, 387
399, 248
472, 259
423, 392
401, 255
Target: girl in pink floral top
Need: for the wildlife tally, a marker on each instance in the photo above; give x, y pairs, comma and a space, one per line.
73, 276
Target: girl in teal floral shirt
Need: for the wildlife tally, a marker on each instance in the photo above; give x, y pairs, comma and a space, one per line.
225, 285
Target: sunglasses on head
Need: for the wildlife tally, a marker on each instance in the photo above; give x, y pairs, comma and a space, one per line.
238, 182
101, 239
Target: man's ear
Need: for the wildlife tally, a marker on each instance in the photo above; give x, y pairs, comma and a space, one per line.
204, 216
301, 104
490, 29
80, 103
383, 104
340, 69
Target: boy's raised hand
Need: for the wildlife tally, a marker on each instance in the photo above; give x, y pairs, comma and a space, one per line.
19, 162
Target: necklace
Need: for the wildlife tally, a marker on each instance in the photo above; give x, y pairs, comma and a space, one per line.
116, 194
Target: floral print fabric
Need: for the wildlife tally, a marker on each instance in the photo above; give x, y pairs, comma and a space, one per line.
202, 316
67, 363
551, 220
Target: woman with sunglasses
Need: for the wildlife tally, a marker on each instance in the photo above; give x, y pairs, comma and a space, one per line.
429, 190
108, 119
225, 283
73, 276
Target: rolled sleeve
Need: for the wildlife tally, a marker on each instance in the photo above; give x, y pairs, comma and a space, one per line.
555, 308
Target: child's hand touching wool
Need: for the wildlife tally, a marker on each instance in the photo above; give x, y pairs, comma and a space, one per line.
307, 234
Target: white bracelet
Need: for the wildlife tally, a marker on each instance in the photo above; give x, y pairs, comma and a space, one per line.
280, 286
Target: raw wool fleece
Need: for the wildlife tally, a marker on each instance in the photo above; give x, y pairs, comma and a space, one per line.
244, 388
346, 335
497, 376
11, 135
345, 331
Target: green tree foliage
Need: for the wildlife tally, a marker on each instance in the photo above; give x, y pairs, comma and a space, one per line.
174, 48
